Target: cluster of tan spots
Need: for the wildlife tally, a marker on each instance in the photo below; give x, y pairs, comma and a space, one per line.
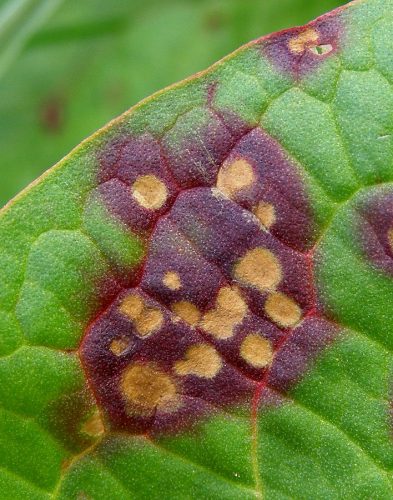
201, 360
265, 213
234, 177
299, 43
256, 351
390, 238
229, 312
172, 280
187, 311
259, 268
282, 310
147, 389
94, 426
147, 320
119, 345
150, 192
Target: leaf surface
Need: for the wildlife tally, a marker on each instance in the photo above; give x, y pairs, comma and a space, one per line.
198, 300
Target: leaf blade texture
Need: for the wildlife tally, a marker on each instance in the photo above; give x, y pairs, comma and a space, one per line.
198, 299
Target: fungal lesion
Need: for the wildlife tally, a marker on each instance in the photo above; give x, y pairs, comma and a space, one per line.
147, 320
146, 389
259, 268
171, 280
229, 311
150, 192
120, 345
235, 176
308, 40
94, 425
283, 310
201, 360
265, 213
256, 351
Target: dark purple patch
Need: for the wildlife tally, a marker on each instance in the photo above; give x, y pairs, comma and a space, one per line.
196, 156
297, 353
375, 223
200, 235
301, 60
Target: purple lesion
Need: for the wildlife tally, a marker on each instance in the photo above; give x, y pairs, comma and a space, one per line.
374, 215
300, 50
224, 302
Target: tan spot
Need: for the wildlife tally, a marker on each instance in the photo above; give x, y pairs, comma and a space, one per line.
234, 177
119, 346
172, 280
256, 351
132, 306
94, 426
265, 213
390, 238
259, 268
149, 321
282, 309
150, 192
229, 312
187, 311
201, 360
298, 44
146, 388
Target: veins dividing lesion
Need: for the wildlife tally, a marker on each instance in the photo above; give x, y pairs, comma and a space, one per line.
225, 285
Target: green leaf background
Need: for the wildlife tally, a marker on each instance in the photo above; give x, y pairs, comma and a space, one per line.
79, 64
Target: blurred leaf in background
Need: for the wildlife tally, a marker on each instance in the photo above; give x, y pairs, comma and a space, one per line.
69, 66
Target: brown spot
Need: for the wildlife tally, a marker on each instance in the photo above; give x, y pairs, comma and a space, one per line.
149, 191
172, 280
132, 306
282, 309
187, 311
308, 38
234, 177
256, 351
390, 238
260, 268
229, 312
147, 320
94, 426
119, 346
201, 360
146, 388
265, 213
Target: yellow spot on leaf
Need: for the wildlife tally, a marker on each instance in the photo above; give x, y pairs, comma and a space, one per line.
234, 177
150, 192
147, 320
119, 345
256, 351
298, 44
201, 360
265, 213
94, 426
172, 280
259, 268
146, 389
229, 312
187, 311
282, 310
132, 306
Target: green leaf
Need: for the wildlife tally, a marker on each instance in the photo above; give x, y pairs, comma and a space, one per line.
197, 301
